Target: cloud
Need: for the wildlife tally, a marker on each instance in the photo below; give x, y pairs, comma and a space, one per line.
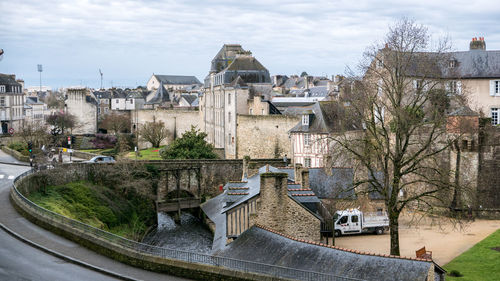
129, 40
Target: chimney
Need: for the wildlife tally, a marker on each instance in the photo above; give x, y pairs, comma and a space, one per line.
273, 201
244, 175
304, 178
297, 172
476, 44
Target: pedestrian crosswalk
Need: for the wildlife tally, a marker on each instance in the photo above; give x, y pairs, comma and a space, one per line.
10, 177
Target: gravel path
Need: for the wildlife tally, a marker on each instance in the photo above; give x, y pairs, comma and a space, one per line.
445, 240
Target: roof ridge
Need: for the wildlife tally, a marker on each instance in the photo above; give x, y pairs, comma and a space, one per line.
338, 248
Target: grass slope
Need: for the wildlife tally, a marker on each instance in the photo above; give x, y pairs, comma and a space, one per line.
98, 206
480, 262
146, 154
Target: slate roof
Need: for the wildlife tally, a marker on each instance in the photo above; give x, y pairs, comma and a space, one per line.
159, 96
245, 63
6, 79
474, 64
318, 91
33, 100
337, 185
463, 111
189, 98
296, 110
263, 245
102, 94
177, 79
328, 118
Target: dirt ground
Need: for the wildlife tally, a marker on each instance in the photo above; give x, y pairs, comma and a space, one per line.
446, 240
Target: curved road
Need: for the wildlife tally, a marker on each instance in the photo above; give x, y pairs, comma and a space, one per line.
19, 261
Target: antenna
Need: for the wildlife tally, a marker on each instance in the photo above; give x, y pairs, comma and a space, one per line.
100, 72
40, 69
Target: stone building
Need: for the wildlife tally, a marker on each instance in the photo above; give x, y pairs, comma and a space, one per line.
177, 121
80, 103
237, 85
272, 198
172, 82
34, 110
11, 104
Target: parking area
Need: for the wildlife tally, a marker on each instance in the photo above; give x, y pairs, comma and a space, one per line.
444, 239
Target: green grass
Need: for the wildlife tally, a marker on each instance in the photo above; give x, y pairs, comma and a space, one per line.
99, 151
146, 154
480, 262
97, 206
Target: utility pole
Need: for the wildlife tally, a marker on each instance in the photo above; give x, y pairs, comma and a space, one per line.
100, 72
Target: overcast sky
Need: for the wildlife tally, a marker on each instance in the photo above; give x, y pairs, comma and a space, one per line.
131, 40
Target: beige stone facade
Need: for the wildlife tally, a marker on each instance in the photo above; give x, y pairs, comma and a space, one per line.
84, 107
264, 136
176, 121
276, 210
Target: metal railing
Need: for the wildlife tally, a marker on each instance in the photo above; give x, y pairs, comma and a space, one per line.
180, 255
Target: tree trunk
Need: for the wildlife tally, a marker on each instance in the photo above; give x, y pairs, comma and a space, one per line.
394, 231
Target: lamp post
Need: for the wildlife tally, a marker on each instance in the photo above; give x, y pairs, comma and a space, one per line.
40, 69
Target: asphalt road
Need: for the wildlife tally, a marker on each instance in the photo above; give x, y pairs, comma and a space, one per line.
20, 261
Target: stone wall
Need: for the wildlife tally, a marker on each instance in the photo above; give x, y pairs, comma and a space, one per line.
276, 210
84, 108
176, 122
489, 175
264, 136
129, 253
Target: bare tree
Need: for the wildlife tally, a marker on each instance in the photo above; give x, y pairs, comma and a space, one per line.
154, 132
116, 123
399, 149
34, 132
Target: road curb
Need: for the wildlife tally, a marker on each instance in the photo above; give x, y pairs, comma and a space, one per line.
13, 163
64, 257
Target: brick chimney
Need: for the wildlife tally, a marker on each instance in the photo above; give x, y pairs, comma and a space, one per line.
477, 44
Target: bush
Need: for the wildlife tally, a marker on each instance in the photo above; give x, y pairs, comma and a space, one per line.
455, 273
102, 141
18, 146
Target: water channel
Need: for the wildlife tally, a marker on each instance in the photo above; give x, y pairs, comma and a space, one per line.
188, 235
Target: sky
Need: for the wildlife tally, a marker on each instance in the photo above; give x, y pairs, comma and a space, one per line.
129, 40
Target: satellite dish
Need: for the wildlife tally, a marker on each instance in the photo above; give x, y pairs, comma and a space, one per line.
1, 54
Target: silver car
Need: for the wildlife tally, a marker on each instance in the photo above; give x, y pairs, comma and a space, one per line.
101, 159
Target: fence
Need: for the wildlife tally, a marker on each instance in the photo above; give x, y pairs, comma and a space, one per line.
228, 263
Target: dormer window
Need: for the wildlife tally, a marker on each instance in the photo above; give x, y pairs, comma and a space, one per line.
2, 88
452, 63
305, 120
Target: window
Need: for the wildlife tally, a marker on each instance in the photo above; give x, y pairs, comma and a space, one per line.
307, 139
354, 219
417, 84
494, 88
262, 111
454, 87
228, 98
116, 101
307, 162
452, 63
2, 101
380, 63
251, 111
342, 220
305, 120
229, 117
379, 87
494, 116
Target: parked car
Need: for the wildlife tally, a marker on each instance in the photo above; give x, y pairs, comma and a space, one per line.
101, 159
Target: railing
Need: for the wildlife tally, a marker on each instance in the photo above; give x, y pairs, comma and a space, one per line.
191, 257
